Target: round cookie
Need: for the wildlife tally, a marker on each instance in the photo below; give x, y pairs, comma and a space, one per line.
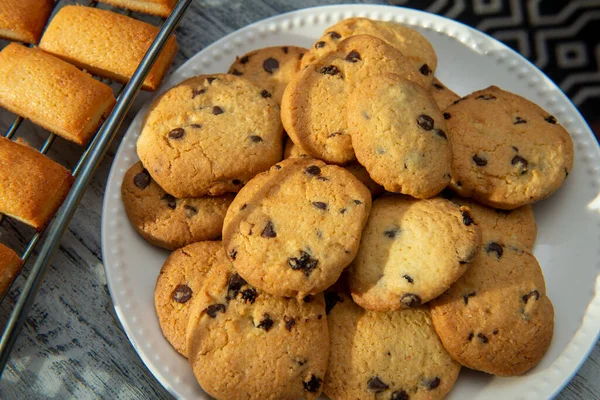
507, 151
411, 251
443, 96
245, 344
178, 284
271, 68
414, 46
292, 230
393, 355
497, 317
314, 104
398, 134
168, 222
209, 135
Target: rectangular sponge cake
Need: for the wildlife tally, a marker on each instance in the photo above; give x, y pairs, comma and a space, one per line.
52, 93
106, 43
24, 20
161, 8
32, 186
10, 265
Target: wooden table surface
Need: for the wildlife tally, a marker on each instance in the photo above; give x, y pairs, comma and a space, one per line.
72, 345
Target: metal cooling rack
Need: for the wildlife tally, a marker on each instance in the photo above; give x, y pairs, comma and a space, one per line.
83, 172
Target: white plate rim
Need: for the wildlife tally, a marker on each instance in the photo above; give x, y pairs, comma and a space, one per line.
588, 333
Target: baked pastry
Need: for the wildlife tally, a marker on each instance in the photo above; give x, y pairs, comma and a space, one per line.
52, 93
398, 134
24, 20
162, 8
166, 221
443, 96
106, 43
283, 230
32, 186
507, 151
10, 265
246, 344
210, 135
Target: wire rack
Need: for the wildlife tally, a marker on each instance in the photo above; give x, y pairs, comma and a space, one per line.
83, 172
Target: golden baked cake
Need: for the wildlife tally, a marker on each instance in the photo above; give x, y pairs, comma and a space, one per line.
24, 20
52, 93
32, 186
162, 8
10, 265
106, 44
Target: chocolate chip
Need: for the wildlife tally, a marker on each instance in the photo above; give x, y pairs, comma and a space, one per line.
313, 385
197, 92
270, 64
266, 323
235, 284
300, 361
331, 299
236, 182
244, 60
300, 56
438, 86
425, 122
441, 133
482, 337
277, 167
515, 148
285, 50
329, 70
456, 101
217, 110
213, 309
210, 79
255, 138
320, 205
486, 97
353, 57
495, 332
430, 384
289, 322
142, 179
365, 115
233, 254
313, 170
522, 163
519, 120
467, 220
269, 231
479, 161
334, 134
425, 70
376, 385
494, 247
459, 183
197, 126
391, 232
319, 44
408, 278
531, 294
236, 72
550, 119
249, 295
190, 211
343, 210
334, 35
466, 297
470, 337
447, 115
176, 133
265, 94
305, 263
171, 201
182, 293
411, 300
399, 395
358, 202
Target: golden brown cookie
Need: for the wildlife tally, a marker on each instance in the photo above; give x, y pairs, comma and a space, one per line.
443, 96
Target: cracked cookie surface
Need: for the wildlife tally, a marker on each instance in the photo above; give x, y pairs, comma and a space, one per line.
209, 135
168, 222
246, 344
411, 251
292, 230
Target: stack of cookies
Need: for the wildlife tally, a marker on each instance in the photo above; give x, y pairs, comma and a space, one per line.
390, 247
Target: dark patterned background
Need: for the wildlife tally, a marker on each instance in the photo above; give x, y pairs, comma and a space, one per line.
561, 37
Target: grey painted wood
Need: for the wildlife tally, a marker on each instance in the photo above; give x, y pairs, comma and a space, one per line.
72, 345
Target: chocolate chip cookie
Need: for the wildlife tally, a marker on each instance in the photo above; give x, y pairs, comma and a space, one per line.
168, 222
245, 344
411, 251
270, 68
393, 355
178, 284
209, 135
292, 230
314, 104
507, 151
443, 96
399, 135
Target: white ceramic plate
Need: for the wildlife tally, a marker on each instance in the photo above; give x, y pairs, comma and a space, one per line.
568, 243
